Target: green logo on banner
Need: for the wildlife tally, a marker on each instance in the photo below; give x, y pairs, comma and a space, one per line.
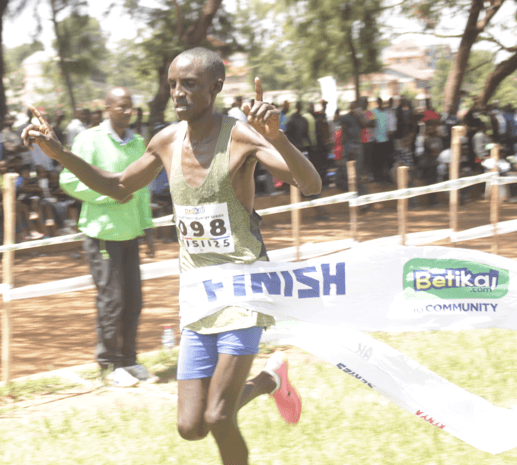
453, 279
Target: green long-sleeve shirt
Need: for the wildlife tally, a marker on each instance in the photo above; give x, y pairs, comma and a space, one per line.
101, 216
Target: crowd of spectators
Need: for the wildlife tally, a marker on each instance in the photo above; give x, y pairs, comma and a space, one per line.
43, 209
382, 135
379, 136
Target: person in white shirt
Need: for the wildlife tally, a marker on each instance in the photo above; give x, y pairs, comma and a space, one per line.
235, 111
77, 125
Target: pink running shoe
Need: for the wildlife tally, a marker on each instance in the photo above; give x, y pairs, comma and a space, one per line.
287, 399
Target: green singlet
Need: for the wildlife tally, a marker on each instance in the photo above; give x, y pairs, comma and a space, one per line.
214, 228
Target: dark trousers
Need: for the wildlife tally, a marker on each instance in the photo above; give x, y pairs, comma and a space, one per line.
115, 269
380, 160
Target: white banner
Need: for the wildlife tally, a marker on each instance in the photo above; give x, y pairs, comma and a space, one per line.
379, 289
392, 288
406, 383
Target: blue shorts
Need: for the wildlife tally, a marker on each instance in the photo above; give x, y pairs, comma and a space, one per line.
199, 352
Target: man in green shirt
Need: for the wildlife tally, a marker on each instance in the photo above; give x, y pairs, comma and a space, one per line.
112, 229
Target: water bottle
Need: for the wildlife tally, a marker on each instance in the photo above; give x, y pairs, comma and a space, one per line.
168, 339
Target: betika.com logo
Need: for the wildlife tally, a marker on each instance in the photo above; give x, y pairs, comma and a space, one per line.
453, 279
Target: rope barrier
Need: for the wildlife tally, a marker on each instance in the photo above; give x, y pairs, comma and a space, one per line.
351, 197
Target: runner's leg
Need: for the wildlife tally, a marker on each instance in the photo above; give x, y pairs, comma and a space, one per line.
224, 397
192, 400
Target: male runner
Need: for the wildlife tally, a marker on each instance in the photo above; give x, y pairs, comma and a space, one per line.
210, 160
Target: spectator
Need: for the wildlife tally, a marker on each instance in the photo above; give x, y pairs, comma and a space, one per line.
12, 143
449, 119
369, 121
28, 196
381, 156
139, 126
59, 116
284, 111
480, 141
351, 138
112, 230
337, 133
429, 113
429, 161
159, 123
77, 125
95, 118
391, 115
498, 122
297, 130
404, 157
235, 111
511, 128
321, 149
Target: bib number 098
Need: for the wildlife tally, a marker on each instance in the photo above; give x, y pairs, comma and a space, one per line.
217, 228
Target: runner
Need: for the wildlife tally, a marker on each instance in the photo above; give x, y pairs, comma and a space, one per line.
210, 159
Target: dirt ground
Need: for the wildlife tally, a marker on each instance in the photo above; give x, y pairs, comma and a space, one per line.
58, 331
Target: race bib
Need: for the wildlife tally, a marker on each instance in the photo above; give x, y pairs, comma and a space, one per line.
205, 228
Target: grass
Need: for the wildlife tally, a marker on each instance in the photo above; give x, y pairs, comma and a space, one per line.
17, 392
343, 422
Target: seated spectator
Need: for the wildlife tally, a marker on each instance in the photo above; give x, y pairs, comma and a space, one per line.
58, 206
28, 197
480, 141
12, 143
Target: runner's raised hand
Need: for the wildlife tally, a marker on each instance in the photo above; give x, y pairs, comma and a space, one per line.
41, 134
264, 117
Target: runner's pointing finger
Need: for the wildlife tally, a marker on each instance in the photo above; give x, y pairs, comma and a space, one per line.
38, 115
258, 90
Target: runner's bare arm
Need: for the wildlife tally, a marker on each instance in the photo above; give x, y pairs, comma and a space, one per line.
281, 158
116, 185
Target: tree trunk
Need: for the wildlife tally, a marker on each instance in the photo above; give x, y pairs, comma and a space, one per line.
160, 100
501, 71
196, 34
60, 52
193, 36
459, 65
3, 102
472, 30
355, 64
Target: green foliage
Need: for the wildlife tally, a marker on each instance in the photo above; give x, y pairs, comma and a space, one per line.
83, 45
161, 39
13, 57
129, 66
293, 43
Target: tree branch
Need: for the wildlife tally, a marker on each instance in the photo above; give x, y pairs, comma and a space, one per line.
478, 66
179, 25
197, 33
434, 34
501, 71
492, 39
490, 12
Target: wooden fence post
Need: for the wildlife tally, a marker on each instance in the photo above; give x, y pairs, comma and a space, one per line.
296, 220
494, 200
402, 183
9, 201
352, 187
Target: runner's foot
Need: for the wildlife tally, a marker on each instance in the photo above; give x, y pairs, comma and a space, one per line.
287, 399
